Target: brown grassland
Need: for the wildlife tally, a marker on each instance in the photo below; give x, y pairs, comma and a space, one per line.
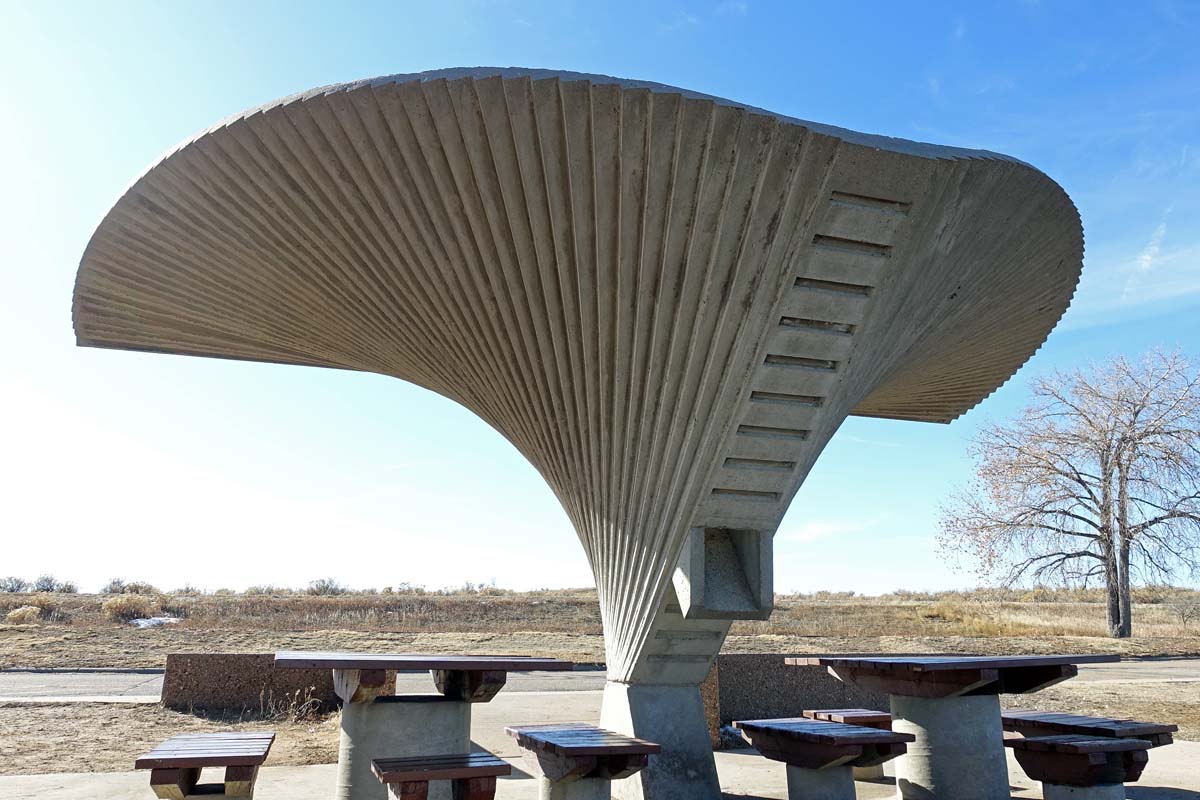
76, 630
73, 630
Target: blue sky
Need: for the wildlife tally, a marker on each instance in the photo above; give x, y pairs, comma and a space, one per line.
217, 473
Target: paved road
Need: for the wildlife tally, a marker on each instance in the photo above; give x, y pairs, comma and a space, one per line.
141, 687
129, 687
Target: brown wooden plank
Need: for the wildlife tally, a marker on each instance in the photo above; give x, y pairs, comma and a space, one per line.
1052, 722
400, 662
851, 716
579, 739
229, 749
1076, 743
950, 662
821, 732
439, 767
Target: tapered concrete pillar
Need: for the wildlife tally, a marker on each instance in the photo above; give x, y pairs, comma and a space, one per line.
832, 783
672, 716
958, 752
582, 789
873, 773
394, 727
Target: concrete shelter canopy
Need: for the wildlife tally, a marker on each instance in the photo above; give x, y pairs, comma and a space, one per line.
668, 302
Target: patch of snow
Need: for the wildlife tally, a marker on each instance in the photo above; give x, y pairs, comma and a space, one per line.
153, 622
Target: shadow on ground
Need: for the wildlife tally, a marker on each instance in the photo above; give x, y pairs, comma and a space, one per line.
1159, 793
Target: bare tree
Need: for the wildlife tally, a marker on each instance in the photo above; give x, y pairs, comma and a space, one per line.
1097, 479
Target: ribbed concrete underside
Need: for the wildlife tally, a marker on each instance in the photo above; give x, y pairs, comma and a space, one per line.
667, 302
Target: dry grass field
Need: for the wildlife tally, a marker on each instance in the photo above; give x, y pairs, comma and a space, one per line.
81, 630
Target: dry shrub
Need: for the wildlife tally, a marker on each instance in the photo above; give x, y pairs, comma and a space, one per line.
124, 607
23, 615
298, 706
969, 621
50, 605
173, 606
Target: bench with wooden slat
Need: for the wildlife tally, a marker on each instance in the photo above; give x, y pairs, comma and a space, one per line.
576, 758
821, 755
815, 744
853, 716
176, 763
472, 775
1050, 723
1077, 761
866, 717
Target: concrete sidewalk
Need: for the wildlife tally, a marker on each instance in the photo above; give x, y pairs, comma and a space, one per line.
744, 774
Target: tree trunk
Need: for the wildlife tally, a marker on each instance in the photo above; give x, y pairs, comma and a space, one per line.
1125, 629
1112, 585
1108, 548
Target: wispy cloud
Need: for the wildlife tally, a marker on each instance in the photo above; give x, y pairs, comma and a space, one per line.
1148, 258
960, 30
680, 21
732, 8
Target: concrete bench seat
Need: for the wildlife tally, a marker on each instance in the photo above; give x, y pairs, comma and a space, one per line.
579, 761
821, 755
1081, 767
175, 764
866, 717
472, 776
1051, 723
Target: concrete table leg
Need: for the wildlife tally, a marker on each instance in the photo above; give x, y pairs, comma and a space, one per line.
672, 716
394, 727
873, 773
582, 789
959, 751
1104, 791
831, 783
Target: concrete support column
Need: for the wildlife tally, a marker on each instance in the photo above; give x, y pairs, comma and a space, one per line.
1104, 791
394, 727
582, 789
831, 783
959, 750
672, 716
872, 773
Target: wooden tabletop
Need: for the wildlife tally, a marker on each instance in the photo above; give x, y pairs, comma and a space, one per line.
404, 662
939, 663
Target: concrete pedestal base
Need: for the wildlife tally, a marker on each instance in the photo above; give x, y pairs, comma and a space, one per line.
582, 789
672, 716
874, 773
959, 751
831, 783
394, 727
1105, 791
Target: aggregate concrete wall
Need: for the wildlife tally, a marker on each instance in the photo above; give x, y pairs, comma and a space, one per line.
241, 681
761, 686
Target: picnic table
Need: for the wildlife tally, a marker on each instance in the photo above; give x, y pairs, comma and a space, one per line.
378, 725
951, 705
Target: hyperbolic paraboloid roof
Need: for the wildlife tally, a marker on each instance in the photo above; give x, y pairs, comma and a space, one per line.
667, 301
